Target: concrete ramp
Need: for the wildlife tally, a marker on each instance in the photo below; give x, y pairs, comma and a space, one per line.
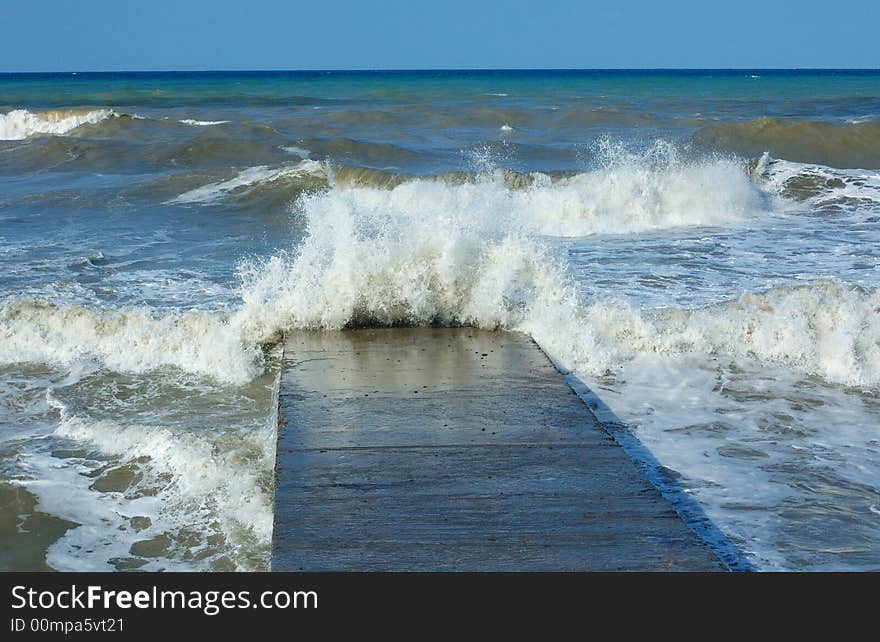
455, 449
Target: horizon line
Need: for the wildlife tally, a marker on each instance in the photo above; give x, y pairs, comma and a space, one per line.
440, 69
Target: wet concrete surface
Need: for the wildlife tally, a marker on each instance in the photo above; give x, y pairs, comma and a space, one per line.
455, 449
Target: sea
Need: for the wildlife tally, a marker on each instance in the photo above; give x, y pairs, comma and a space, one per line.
701, 248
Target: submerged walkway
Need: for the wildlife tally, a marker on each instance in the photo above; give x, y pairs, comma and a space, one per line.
421, 449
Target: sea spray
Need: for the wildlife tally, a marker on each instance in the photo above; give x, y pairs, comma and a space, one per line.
427, 252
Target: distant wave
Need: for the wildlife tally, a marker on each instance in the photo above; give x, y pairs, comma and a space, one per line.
247, 179
19, 124
489, 114
203, 123
851, 144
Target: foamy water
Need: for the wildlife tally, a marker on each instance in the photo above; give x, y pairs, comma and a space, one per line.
725, 306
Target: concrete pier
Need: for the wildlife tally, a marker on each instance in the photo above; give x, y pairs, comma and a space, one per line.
455, 449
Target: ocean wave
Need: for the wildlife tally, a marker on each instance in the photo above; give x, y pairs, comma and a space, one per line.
825, 328
618, 201
822, 188
347, 150
218, 148
126, 340
363, 264
19, 124
852, 144
423, 251
247, 179
474, 250
629, 193
116, 139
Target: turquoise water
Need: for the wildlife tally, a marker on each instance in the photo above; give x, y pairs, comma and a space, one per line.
700, 247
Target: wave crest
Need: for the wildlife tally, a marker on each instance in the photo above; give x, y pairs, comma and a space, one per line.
19, 124
247, 180
629, 193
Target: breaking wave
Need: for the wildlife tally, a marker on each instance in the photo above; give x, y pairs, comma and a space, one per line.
822, 188
428, 252
826, 328
126, 340
21, 123
628, 193
247, 179
366, 266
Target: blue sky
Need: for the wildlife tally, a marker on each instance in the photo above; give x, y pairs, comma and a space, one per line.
68, 35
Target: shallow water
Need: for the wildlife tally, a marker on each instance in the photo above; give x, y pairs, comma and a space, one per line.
699, 247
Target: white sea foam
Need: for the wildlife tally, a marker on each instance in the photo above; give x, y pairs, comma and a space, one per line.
126, 340
773, 457
203, 123
427, 251
248, 178
823, 328
182, 481
21, 123
821, 186
615, 200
